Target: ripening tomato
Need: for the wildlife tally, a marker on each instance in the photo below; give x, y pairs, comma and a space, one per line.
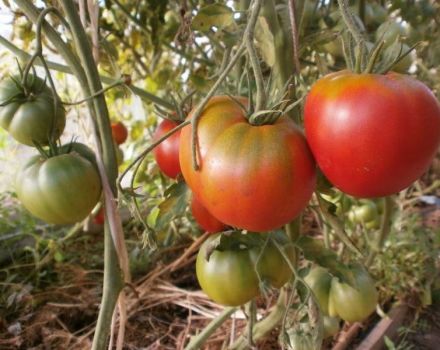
167, 152
372, 135
252, 177
119, 132
28, 117
62, 189
204, 218
353, 304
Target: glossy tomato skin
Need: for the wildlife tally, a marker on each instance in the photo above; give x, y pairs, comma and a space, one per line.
353, 304
59, 190
372, 135
204, 218
229, 276
167, 152
119, 132
30, 119
319, 281
252, 177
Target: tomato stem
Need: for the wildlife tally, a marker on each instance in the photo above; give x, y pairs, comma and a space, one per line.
385, 229
352, 25
253, 57
337, 226
97, 93
294, 32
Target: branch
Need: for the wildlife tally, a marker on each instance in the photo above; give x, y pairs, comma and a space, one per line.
145, 95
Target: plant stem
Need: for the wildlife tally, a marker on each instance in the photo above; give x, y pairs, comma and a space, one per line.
113, 281
337, 227
253, 57
385, 228
145, 95
350, 21
264, 326
197, 341
294, 30
102, 91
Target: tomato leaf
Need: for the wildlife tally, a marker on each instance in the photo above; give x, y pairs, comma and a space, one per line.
175, 204
217, 15
314, 250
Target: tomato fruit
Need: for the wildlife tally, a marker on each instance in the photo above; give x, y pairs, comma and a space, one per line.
364, 213
60, 190
319, 281
353, 304
229, 276
372, 135
119, 132
390, 31
204, 218
167, 152
29, 117
331, 326
252, 177
99, 218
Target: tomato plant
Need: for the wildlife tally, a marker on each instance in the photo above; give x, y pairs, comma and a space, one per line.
372, 135
61, 190
119, 132
28, 115
229, 276
252, 177
204, 218
167, 152
353, 304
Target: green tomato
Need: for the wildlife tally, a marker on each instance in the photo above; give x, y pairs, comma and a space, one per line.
29, 117
353, 304
59, 190
331, 326
319, 281
230, 277
301, 341
389, 31
363, 213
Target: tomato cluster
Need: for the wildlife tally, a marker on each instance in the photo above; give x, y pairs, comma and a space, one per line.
232, 276
62, 184
352, 303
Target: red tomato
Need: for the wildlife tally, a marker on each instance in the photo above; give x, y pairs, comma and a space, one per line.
256, 178
119, 132
99, 218
204, 218
372, 135
167, 152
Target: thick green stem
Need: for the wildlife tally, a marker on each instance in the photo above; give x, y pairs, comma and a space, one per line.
198, 340
113, 281
385, 228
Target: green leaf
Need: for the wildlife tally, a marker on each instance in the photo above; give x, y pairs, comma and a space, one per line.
175, 204
217, 15
389, 343
265, 41
314, 250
